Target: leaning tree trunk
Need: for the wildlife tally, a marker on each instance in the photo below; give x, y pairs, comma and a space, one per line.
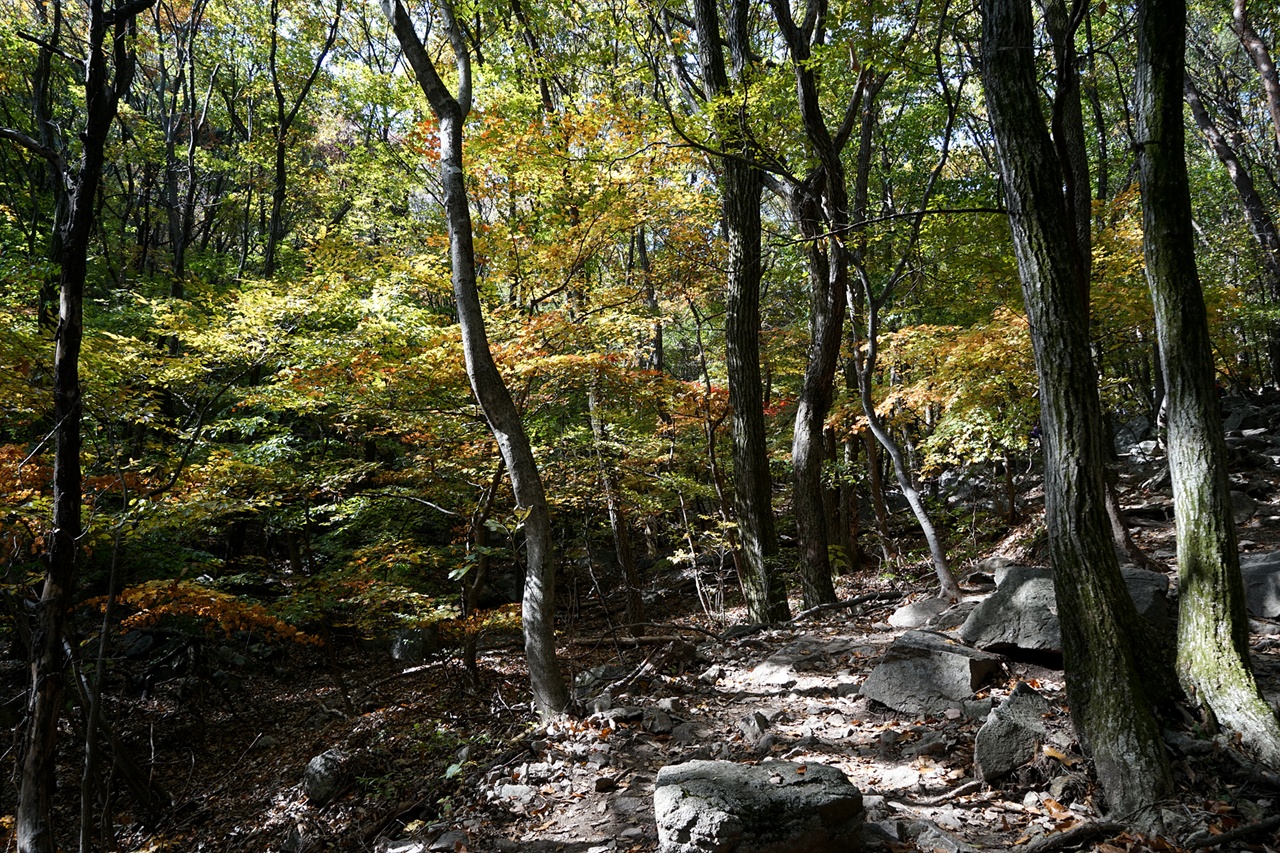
538, 608
1110, 702
1261, 224
1213, 629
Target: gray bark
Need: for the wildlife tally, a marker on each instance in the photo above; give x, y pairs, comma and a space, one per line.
1262, 61
1110, 704
741, 185
1213, 629
550, 694
1261, 224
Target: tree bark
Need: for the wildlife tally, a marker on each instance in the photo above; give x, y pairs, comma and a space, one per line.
34, 827
1213, 629
619, 523
741, 185
1262, 61
550, 694
1261, 224
820, 205
1110, 704
285, 116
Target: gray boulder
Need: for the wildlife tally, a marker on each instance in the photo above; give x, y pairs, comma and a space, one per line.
414, 645
1022, 614
324, 778
1012, 734
917, 613
927, 673
775, 807
1262, 584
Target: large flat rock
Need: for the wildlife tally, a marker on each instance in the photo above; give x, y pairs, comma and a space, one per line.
927, 673
775, 807
1022, 614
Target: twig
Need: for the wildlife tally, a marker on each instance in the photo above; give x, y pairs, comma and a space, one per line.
966, 788
1082, 834
646, 640
840, 605
1204, 839
680, 627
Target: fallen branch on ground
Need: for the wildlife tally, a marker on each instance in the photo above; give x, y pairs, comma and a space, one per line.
1204, 839
840, 605
1076, 835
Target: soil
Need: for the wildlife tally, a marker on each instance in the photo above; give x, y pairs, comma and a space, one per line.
438, 757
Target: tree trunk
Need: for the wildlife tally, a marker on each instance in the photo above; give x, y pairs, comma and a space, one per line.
34, 828
1261, 224
741, 184
1262, 61
1110, 703
826, 328
550, 694
1213, 629
619, 524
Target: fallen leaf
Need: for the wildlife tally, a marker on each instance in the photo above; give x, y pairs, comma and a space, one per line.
1055, 809
1057, 754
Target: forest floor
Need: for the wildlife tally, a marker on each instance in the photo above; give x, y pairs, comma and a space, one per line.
438, 759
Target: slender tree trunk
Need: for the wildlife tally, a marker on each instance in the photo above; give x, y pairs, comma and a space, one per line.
656, 360
619, 523
875, 485
551, 696
34, 828
1213, 629
1262, 61
946, 581
1110, 701
1261, 224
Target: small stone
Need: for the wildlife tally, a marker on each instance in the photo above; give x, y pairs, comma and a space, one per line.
449, 841
753, 726
624, 714
658, 722
324, 777
712, 674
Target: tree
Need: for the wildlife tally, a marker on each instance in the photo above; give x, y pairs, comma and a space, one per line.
107, 79
549, 691
1213, 628
286, 115
1111, 701
741, 184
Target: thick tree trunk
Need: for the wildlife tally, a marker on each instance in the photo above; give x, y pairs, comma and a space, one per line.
1213, 629
550, 694
741, 184
826, 328
1109, 700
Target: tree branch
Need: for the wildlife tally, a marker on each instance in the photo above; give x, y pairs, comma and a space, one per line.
34, 147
